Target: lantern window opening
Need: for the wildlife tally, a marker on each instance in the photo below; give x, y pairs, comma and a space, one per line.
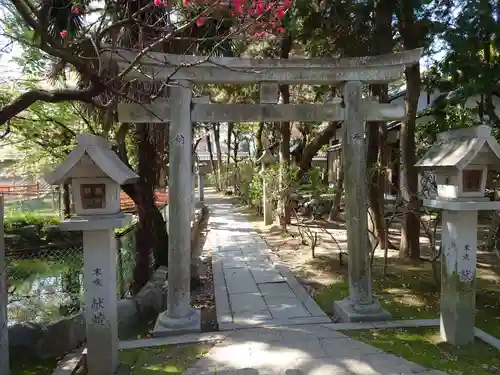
471, 180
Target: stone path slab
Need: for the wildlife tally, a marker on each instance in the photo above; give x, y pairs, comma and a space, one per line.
251, 289
300, 350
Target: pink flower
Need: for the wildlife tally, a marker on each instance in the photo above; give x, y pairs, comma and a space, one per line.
280, 12
75, 9
186, 2
159, 3
280, 30
286, 4
200, 21
63, 33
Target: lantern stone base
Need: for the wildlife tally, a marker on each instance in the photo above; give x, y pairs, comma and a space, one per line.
167, 326
348, 312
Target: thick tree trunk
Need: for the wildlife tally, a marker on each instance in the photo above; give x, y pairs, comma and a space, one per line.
410, 231
284, 209
413, 37
151, 235
375, 134
312, 148
218, 152
376, 131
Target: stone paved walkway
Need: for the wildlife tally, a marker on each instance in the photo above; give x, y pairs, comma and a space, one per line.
290, 334
251, 288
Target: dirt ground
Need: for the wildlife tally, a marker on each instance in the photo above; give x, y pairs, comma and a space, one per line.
203, 297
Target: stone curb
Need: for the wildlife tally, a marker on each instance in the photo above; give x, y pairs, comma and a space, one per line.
487, 338
173, 340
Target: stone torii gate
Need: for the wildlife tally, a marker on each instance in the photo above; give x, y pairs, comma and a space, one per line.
181, 110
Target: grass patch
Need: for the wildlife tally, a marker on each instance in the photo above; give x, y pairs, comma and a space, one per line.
169, 359
409, 291
16, 219
424, 346
25, 366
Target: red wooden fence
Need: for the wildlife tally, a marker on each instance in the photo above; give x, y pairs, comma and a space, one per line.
25, 190
127, 204
33, 190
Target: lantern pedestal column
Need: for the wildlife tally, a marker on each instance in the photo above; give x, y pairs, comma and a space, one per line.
458, 276
99, 275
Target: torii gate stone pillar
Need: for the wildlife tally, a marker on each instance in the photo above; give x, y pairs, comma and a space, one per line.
360, 305
179, 316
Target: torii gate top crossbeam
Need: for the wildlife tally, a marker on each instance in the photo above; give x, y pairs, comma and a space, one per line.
229, 70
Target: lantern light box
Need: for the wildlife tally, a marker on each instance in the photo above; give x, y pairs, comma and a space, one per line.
95, 173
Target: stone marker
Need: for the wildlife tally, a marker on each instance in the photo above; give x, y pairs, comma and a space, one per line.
266, 160
96, 173
201, 186
461, 160
179, 316
360, 305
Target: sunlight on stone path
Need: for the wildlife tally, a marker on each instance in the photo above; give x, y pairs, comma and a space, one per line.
312, 349
275, 327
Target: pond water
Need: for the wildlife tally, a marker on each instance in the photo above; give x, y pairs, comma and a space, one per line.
50, 285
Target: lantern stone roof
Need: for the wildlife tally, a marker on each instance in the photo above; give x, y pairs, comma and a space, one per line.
99, 151
459, 148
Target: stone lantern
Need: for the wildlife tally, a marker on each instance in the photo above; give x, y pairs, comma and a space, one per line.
266, 160
460, 160
96, 173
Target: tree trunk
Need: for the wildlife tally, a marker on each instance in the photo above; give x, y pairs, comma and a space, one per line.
375, 134
321, 139
228, 174
413, 37
151, 235
284, 209
376, 131
230, 127
218, 152
212, 161
66, 201
258, 141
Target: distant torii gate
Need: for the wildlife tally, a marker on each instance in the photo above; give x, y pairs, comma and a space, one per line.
180, 110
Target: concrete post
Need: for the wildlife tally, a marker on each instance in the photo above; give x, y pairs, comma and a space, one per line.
4, 339
267, 204
458, 276
179, 316
99, 275
201, 187
360, 305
